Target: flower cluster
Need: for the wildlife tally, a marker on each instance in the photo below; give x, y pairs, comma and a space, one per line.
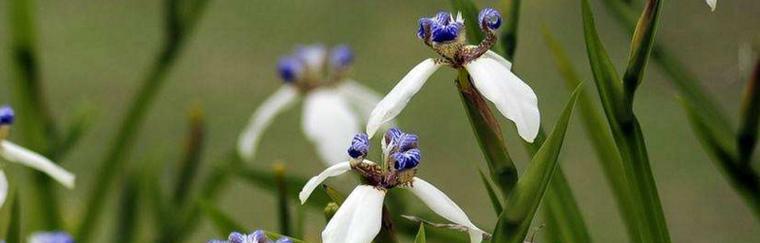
258, 236
15, 153
401, 158
333, 105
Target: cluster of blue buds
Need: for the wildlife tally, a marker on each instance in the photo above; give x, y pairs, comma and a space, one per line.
403, 149
258, 236
440, 28
51, 237
308, 62
7, 115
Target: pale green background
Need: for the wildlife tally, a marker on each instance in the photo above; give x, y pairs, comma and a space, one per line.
96, 52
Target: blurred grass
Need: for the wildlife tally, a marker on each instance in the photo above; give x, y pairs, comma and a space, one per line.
94, 51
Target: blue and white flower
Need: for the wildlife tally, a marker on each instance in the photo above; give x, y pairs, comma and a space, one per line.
359, 217
491, 74
258, 236
51, 237
14, 153
333, 105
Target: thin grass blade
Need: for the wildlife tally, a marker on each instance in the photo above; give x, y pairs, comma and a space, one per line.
420, 238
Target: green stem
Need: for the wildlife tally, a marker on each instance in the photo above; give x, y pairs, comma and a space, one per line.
487, 131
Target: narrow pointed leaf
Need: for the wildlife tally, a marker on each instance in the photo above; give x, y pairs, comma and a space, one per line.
641, 47
750, 113
569, 225
191, 158
598, 132
521, 205
128, 211
13, 235
495, 199
470, 14
420, 235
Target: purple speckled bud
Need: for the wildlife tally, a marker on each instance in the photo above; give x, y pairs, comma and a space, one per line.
489, 18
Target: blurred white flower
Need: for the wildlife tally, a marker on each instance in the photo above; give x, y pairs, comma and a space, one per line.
358, 220
17, 154
491, 74
333, 106
712, 4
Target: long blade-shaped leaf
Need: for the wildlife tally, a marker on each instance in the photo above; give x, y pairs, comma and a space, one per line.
492, 194
750, 113
509, 34
13, 235
628, 136
128, 210
522, 203
598, 133
641, 47
420, 235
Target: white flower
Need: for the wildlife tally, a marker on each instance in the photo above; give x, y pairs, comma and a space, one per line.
491, 74
333, 107
359, 218
17, 154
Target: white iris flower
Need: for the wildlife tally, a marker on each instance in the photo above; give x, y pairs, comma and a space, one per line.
358, 220
491, 74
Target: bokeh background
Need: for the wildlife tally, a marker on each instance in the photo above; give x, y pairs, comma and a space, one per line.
95, 53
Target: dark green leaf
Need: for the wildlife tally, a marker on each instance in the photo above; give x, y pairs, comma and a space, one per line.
522, 203
420, 235
641, 47
128, 211
14, 226
495, 199
509, 34
568, 224
191, 157
283, 208
750, 113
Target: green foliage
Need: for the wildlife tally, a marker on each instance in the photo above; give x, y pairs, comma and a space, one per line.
617, 102
522, 203
13, 235
420, 238
492, 194
128, 210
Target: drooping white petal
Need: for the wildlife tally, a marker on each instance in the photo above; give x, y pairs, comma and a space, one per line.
444, 206
329, 124
392, 104
3, 188
358, 219
283, 98
512, 97
314, 182
712, 4
18, 154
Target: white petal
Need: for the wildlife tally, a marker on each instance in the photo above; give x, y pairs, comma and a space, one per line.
392, 104
329, 124
283, 98
712, 4
335, 170
444, 206
3, 188
18, 154
358, 219
512, 97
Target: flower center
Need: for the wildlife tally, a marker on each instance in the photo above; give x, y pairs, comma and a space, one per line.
446, 36
401, 156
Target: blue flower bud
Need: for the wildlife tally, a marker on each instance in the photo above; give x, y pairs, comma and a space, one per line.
444, 33
406, 142
407, 160
7, 115
341, 57
489, 18
312, 56
393, 134
442, 18
425, 27
258, 236
51, 237
290, 68
236, 237
359, 146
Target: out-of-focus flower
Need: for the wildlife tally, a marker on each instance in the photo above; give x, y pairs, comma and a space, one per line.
358, 219
333, 105
17, 154
712, 4
258, 236
51, 237
491, 74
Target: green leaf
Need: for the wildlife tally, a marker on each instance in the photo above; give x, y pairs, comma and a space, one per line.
223, 223
14, 226
283, 203
522, 203
568, 223
420, 235
641, 48
80, 123
509, 34
750, 114
191, 157
628, 137
470, 14
128, 210
598, 132
495, 199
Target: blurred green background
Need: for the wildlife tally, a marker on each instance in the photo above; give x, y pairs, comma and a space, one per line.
97, 52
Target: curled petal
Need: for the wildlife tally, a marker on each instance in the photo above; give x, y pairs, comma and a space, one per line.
283, 98
392, 104
358, 219
3, 188
512, 97
335, 170
329, 124
18, 154
444, 206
